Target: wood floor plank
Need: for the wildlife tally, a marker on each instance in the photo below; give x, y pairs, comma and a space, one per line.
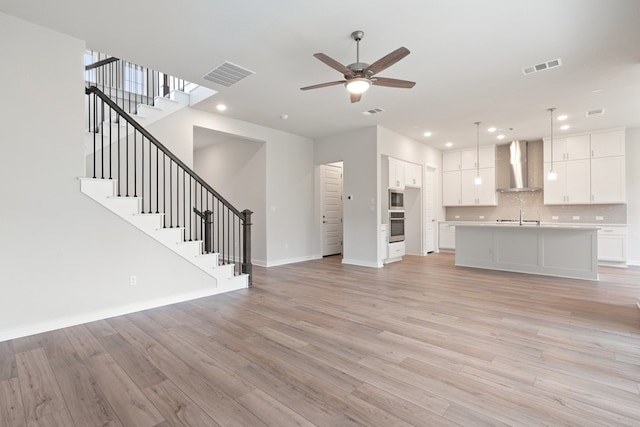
11, 407
40, 392
85, 401
177, 407
134, 363
127, 400
8, 367
83, 341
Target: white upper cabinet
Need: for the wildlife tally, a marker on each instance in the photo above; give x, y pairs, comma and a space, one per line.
458, 178
590, 169
606, 144
571, 186
570, 148
451, 161
483, 194
608, 180
396, 173
412, 175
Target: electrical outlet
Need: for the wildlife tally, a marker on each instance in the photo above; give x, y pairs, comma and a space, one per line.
575, 217
133, 280
457, 217
555, 217
599, 218
481, 217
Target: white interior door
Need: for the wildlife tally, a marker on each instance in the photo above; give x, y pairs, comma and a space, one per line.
331, 189
429, 210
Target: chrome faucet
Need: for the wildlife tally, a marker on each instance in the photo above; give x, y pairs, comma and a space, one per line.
521, 216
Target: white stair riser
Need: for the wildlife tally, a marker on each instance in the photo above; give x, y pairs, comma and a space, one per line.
102, 191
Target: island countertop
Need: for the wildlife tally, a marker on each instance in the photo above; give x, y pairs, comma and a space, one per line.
552, 250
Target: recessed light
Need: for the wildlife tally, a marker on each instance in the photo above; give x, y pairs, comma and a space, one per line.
562, 117
221, 107
564, 127
284, 116
427, 134
597, 91
449, 144
500, 136
492, 129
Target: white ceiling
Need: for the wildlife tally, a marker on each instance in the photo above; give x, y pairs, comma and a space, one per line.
466, 57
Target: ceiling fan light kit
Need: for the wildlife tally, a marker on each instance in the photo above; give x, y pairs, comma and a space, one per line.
358, 77
358, 85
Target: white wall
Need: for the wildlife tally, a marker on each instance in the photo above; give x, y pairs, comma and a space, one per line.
289, 179
64, 259
359, 154
632, 151
236, 168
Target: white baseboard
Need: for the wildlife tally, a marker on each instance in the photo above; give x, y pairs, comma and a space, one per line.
361, 263
80, 319
633, 263
290, 261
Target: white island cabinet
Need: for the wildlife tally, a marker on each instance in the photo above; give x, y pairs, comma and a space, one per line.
547, 250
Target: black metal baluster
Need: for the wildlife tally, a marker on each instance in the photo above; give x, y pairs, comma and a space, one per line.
164, 188
102, 142
119, 159
170, 192
184, 204
126, 162
95, 119
135, 163
150, 180
110, 138
190, 212
142, 138
157, 180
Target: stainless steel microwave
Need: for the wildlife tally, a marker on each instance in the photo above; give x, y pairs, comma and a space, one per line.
396, 200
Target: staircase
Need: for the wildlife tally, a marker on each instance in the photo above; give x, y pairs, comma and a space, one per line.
137, 178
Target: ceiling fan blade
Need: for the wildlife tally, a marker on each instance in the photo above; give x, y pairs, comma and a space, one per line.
333, 63
318, 86
383, 81
387, 61
355, 97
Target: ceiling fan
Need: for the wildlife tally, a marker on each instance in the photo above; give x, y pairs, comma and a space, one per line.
359, 76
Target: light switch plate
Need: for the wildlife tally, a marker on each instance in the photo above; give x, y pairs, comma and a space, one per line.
575, 217
457, 217
554, 217
481, 217
599, 218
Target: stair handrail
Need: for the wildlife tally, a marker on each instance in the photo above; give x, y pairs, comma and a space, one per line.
93, 89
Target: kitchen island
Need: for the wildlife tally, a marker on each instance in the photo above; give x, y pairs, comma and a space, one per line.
562, 251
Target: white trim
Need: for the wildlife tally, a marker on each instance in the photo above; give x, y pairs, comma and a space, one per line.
633, 263
291, 260
362, 263
66, 322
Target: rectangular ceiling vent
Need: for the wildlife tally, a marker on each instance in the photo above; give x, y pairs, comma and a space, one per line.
597, 112
228, 74
372, 111
543, 66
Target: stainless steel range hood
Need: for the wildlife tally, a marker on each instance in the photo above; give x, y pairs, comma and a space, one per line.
518, 168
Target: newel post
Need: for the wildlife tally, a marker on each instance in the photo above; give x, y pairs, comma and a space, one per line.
246, 245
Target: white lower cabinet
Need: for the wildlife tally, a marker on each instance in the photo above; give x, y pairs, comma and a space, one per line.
612, 244
447, 236
396, 251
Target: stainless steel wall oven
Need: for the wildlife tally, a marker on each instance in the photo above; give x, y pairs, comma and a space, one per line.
396, 226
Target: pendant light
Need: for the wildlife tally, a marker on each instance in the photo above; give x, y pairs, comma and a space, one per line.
478, 180
552, 175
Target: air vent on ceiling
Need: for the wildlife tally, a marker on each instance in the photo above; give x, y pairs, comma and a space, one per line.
597, 112
543, 66
228, 74
372, 111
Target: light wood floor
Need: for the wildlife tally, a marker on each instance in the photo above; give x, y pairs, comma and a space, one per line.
418, 343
